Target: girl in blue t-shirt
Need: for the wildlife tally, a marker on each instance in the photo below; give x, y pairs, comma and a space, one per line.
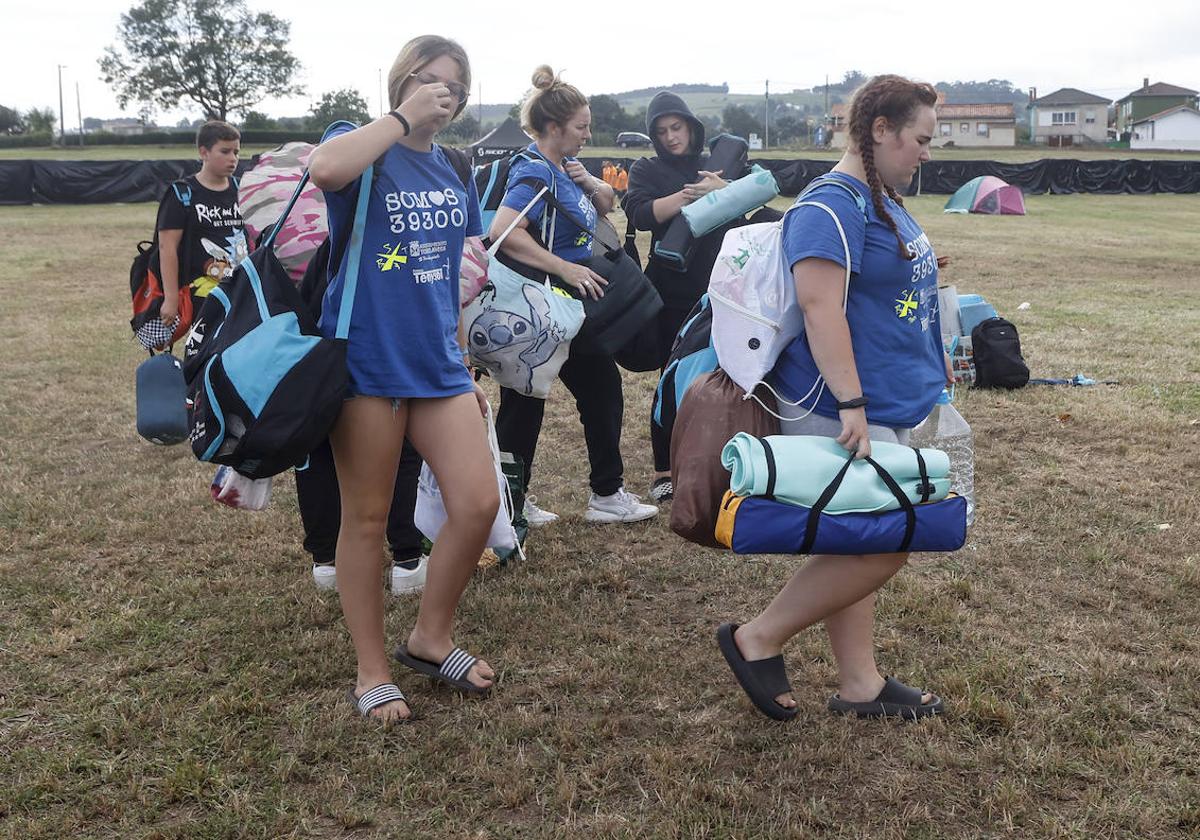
557, 114
883, 369
407, 374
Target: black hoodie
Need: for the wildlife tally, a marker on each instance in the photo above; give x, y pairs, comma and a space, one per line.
662, 175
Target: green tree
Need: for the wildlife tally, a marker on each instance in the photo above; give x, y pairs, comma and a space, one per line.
788, 128
10, 121
737, 120
41, 121
344, 104
607, 114
257, 120
462, 131
221, 56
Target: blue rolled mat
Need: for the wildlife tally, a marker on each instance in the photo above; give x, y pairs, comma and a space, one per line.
753, 525
796, 469
731, 201
728, 155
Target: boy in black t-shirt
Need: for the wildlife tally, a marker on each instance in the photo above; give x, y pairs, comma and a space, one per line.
200, 234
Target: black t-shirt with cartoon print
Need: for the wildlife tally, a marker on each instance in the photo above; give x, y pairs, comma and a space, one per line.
214, 239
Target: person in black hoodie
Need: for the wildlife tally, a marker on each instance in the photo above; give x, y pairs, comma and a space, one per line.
659, 188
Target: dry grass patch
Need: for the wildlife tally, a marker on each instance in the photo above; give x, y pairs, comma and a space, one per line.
169, 671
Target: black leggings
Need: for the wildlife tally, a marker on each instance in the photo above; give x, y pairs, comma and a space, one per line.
595, 382
320, 502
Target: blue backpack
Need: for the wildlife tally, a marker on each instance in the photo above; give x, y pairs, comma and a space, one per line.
491, 181
265, 386
691, 355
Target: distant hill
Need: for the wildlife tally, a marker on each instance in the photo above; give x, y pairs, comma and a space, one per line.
675, 88
707, 101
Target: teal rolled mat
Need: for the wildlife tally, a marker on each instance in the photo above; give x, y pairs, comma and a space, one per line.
736, 199
802, 466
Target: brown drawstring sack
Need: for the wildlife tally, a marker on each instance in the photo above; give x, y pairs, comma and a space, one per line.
712, 412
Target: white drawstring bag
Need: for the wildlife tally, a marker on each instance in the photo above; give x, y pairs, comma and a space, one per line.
519, 330
753, 296
430, 513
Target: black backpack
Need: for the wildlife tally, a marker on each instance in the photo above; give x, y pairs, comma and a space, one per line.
998, 360
145, 276
266, 387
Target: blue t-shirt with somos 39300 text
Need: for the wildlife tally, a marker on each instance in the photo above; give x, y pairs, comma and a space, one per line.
403, 328
892, 307
573, 234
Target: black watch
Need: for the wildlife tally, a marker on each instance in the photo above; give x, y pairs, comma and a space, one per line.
857, 402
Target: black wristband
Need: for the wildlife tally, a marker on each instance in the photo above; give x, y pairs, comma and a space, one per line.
402, 121
857, 402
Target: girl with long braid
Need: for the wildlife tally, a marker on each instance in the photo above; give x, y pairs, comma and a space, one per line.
883, 366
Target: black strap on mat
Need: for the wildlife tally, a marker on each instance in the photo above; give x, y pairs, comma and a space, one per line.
925, 487
772, 469
814, 514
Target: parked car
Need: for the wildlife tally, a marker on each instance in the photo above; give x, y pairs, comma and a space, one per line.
632, 139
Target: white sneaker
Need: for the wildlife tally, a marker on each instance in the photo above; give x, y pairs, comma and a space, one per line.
621, 506
409, 581
325, 576
535, 516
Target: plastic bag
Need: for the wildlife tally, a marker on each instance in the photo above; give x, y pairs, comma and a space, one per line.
232, 489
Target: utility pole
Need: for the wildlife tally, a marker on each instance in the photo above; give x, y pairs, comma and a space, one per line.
382, 110
481, 106
828, 119
767, 118
62, 127
79, 112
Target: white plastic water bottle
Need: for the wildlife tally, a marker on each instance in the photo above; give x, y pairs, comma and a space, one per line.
945, 429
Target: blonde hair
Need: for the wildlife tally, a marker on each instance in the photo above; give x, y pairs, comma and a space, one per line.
419, 52
551, 100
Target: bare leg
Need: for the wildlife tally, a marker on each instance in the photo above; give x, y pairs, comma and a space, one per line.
825, 586
366, 444
452, 438
852, 637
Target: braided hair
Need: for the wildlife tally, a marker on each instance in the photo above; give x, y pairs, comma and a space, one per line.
896, 99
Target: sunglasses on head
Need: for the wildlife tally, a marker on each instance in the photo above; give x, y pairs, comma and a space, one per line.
457, 89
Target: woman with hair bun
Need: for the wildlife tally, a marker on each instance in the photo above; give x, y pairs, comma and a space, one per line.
558, 116
884, 368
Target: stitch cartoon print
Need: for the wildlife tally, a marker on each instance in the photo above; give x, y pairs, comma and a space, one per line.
510, 340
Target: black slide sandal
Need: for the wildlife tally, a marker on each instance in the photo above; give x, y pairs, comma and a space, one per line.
762, 679
895, 700
452, 670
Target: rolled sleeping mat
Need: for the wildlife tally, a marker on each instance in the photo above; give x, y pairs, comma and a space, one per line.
728, 203
727, 155
797, 469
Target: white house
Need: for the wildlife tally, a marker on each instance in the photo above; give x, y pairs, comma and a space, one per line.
1176, 128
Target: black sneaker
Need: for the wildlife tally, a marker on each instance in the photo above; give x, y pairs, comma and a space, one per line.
662, 490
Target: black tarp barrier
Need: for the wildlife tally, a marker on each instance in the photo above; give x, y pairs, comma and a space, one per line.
16, 182
1066, 176
109, 181
1048, 175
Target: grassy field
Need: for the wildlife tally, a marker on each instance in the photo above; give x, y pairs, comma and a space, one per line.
1020, 154
168, 670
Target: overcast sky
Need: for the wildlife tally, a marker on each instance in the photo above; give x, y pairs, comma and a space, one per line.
613, 46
